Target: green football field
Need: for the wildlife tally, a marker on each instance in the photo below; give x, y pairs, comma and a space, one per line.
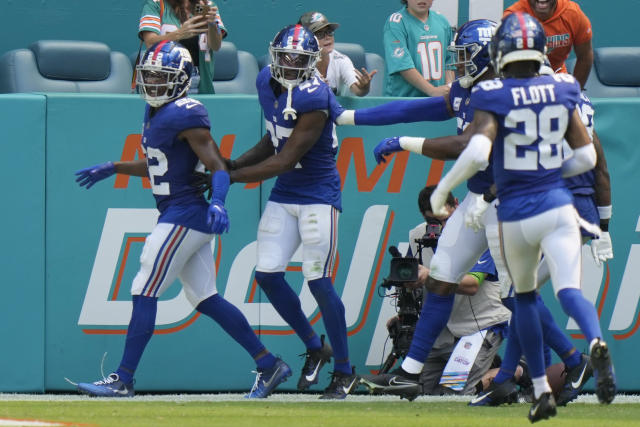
284, 410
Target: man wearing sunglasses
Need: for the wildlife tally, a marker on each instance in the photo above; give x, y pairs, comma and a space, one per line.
335, 68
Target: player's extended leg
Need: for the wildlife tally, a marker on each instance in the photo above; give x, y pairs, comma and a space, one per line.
577, 367
278, 238
318, 225
165, 251
502, 388
563, 252
198, 277
459, 247
521, 249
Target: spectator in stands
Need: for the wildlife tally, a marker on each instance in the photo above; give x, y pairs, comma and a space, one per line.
335, 68
565, 25
201, 32
415, 50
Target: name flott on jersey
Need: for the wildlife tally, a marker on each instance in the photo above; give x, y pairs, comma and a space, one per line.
533, 115
171, 162
459, 98
315, 178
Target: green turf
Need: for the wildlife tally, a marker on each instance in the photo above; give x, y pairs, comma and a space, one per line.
295, 414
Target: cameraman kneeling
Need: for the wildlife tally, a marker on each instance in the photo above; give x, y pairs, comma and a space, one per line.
474, 332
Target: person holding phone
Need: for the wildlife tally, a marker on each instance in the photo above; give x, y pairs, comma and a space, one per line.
201, 31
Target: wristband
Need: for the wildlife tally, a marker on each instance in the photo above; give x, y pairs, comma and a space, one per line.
347, 117
605, 212
411, 143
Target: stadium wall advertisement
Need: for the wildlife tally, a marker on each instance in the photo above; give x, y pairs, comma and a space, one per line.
70, 254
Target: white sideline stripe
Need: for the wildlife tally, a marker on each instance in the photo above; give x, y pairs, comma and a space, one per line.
277, 397
12, 422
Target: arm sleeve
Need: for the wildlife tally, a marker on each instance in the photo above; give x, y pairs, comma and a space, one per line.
219, 186
583, 159
432, 109
150, 19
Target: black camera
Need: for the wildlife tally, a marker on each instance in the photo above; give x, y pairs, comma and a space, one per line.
402, 270
408, 302
431, 235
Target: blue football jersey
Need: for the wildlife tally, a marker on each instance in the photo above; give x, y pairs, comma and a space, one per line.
533, 115
172, 162
584, 183
486, 265
315, 178
460, 98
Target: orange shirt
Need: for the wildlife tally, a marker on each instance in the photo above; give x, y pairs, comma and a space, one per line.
567, 27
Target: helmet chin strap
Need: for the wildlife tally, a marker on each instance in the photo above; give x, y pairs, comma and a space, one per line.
467, 81
288, 110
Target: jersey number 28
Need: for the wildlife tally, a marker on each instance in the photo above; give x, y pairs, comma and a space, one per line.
548, 126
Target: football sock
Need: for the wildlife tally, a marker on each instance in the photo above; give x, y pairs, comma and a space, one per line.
287, 304
433, 318
139, 332
554, 337
529, 332
511, 357
582, 311
335, 324
540, 385
231, 319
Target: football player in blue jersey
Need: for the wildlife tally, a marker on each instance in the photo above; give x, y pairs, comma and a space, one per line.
176, 141
471, 46
592, 199
300, 147
459, 247
526, 117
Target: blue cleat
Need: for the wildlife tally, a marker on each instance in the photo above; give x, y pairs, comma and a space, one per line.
341, 385
497, 394
574, 381
108, 387
268, 379
603, 372
314, 361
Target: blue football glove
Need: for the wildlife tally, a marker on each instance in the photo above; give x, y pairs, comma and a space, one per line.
386, 147
89, 176
217, 217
